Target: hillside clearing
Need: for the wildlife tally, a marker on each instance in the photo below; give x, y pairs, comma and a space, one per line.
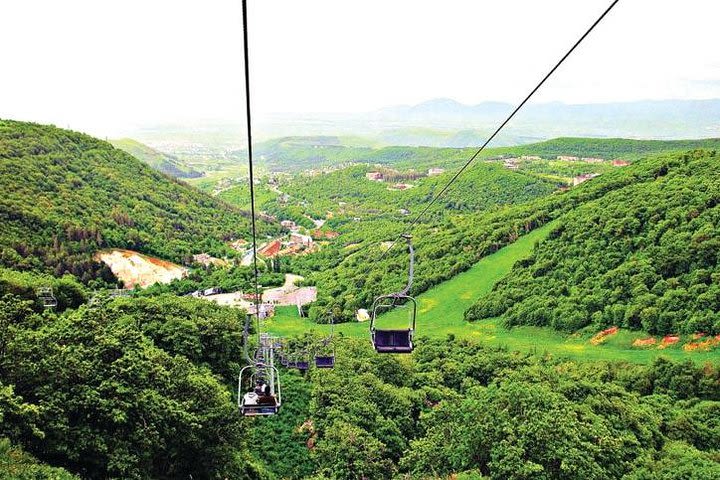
136, 269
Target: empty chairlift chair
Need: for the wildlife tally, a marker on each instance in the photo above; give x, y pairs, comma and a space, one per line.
46, 297
302, 363
395, 340
325, 361
299, 361
325, 354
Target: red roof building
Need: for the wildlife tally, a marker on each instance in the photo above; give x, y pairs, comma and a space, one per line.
271, 249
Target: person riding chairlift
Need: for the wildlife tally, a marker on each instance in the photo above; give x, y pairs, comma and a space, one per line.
267, 398
253, 397
250, 398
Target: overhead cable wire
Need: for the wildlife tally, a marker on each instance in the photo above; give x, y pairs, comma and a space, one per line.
498, 129
250, 163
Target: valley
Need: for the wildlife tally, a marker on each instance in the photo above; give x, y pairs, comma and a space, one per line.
574, 278
246, 240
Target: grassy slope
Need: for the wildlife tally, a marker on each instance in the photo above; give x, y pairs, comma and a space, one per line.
441, 308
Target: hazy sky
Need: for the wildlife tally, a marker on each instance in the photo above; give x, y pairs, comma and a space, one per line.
106, 66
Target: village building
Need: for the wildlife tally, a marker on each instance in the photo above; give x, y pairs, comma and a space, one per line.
206, 260
289, 224
374, 176
400, 186
620, 163
266, 310
568, 158
404, 211
511, 163
270, 249
286, 297
300, 239
212, 291
592, 160
530, 157
435, 171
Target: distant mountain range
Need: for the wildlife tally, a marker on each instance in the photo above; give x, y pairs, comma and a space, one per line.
448, 123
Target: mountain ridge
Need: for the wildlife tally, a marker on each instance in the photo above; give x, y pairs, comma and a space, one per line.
67, 195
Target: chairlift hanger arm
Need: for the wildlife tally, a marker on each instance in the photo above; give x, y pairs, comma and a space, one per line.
411, 271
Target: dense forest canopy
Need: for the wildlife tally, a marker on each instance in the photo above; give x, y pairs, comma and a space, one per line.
138, 389
644, 256
145, 386
66, 195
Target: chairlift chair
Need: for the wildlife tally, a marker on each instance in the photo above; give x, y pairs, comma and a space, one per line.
325, 361
46, 296
281, 348
325, 356
386, 340
299, 361
252, 405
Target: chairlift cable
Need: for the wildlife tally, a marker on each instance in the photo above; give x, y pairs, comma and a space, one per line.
250, 163
499, 128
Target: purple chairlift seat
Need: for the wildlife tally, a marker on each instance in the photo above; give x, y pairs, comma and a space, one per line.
393, 341
324, 361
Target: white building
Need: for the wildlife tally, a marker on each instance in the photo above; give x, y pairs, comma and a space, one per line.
300, 239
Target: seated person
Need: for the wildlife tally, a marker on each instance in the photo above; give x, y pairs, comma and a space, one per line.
267, 398
250, 398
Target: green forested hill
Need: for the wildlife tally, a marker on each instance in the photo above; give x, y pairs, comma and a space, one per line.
608, 148
66, 194
446, 247
143, 387
164, 163
643, 256
348, 193
298, 153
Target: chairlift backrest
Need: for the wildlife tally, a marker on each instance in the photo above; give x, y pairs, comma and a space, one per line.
325, 361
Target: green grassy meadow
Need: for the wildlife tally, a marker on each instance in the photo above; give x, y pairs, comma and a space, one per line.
440, 313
